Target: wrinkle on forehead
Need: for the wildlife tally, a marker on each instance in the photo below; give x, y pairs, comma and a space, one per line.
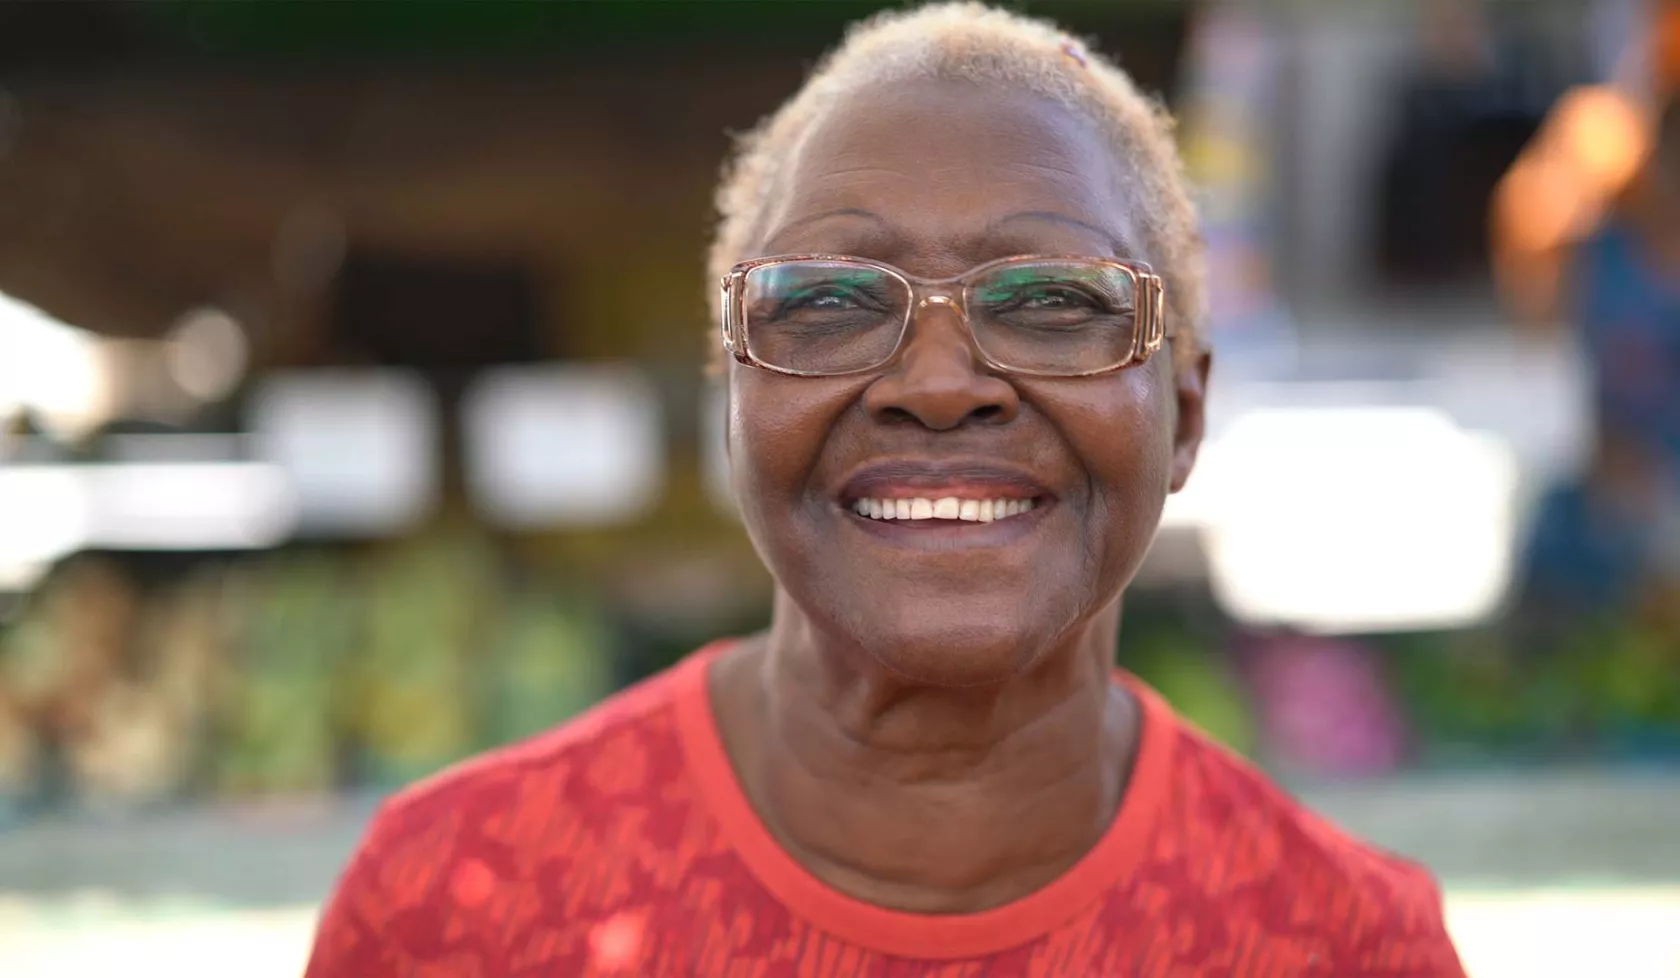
916, 155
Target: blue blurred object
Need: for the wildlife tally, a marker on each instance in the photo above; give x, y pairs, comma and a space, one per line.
1584, 556
1629, 314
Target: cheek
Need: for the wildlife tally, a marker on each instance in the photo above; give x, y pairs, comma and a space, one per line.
1122, 431
777, 429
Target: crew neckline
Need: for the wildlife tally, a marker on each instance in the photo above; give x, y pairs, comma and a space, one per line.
917, 935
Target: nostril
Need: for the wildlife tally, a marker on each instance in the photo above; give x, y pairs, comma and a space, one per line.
940, 392
898, 415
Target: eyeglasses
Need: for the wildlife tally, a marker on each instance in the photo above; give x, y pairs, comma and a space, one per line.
827, 315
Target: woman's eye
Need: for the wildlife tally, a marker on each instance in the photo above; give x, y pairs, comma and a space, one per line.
1049, 298
833, 299
1055, 299
829, 297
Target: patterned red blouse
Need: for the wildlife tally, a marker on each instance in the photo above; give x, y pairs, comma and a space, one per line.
621, 844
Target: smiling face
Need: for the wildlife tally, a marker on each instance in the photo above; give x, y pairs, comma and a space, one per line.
935, 179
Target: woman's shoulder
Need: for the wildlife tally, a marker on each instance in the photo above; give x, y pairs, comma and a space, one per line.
1312, 854
1238, 841
631, 734
600, 797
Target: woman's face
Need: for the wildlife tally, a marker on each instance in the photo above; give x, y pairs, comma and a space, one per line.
934, 179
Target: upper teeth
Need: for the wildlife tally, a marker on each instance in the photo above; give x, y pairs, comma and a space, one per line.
946, 508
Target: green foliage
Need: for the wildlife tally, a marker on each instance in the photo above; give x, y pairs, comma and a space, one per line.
1504, 693
554, 660
276, 715
429, 605
1198, 681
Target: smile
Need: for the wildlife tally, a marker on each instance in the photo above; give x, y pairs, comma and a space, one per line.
942, 508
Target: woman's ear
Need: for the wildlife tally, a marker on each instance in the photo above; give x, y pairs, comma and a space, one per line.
1190, 391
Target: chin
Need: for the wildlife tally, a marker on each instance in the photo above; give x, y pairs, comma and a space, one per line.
951, 649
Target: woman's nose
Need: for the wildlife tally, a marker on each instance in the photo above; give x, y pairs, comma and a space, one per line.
939, 379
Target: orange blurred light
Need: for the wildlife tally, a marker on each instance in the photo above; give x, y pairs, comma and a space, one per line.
1541, 203
1604, 134
1590, 148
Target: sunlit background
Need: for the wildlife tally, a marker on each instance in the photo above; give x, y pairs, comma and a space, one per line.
351, 421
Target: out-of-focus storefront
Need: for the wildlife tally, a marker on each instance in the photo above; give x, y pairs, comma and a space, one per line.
352, 419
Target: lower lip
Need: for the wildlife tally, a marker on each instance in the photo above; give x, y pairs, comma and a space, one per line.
952, 534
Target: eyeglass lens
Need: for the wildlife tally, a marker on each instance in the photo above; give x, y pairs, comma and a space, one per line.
1044, 316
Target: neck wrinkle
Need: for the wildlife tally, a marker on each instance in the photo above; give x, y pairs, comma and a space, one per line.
939, 800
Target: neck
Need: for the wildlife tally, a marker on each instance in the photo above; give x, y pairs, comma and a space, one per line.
927, 799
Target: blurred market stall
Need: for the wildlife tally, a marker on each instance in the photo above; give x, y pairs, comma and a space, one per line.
352, 420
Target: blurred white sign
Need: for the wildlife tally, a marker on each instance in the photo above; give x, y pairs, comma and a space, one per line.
43, 516
563, 445
359, 446
1359, 519
55, 369
188, 506
48, 512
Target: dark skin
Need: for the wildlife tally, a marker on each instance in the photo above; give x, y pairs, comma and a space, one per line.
930, 724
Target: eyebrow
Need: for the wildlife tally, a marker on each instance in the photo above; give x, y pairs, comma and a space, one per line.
1120, 246
868, 215
1118, 243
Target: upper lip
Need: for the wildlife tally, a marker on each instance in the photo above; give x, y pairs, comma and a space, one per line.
903, 478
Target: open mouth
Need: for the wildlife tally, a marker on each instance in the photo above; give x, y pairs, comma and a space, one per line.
948, 502
942, 509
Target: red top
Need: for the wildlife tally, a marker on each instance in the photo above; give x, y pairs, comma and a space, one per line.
622, 844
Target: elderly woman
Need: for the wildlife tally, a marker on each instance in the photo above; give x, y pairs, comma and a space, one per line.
959, 291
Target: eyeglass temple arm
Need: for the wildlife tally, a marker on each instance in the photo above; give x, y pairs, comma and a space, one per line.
1155, 318
729, 321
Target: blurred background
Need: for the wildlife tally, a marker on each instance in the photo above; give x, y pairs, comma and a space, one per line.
352, 421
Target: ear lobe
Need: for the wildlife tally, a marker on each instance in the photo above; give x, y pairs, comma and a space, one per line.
1190, 391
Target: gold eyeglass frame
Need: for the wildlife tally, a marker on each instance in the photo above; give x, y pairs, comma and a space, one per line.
1148, 336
